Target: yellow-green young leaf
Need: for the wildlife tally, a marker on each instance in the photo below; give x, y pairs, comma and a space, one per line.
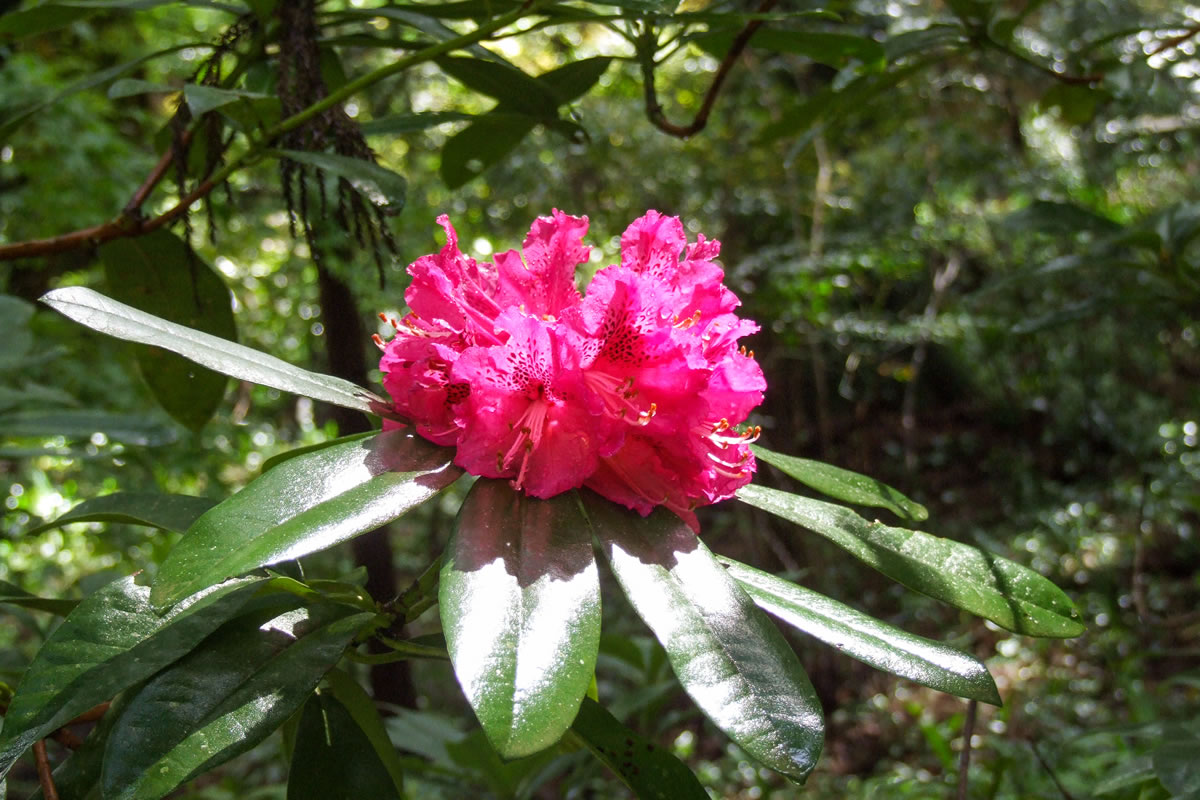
520, 603
730, 658
867, 639
1012, 596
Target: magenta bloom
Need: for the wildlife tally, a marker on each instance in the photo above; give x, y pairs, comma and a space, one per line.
633, 390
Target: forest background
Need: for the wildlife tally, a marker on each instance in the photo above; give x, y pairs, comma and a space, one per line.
968, 229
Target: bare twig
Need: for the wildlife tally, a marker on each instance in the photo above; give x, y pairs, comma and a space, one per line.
964, 760
908, 408
654, 110
134, 206
1174, 41
45, 778
1062, 77
91, 715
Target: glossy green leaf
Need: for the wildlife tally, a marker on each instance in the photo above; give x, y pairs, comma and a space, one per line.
385, 188
78, 776
520, 603
306, 504
168, 512
125, 322
112, 640
843, 484
1012, 596
651, 772
491, 137
729, 657
14, 595
361, 708
222, 699
334, 759
286, 455
928, 662
83, 424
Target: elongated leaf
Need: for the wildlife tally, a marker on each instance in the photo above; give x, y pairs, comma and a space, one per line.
287, 455
14, 595
834, 49
491, 137
202, 99
158, 272
733, 662
408, 123
575, 78
82, 424
334, 758
125, 322
651, 772
844, 484
306, 504
9, 124
1128, 772
169, 512
222, 699
860, 636
112, 640
131, 87
1012, 596
386, 189
1175, 759
517, 91
39, 19
520, 604
362, 710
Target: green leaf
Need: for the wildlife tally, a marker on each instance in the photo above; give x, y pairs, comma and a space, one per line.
844, 484
8, 125
279, 458
385, 188
651, 772
517, 91
112, 640
169, 512
833, 49
306, 504
83, 424
125, 322
202, 99
160, 272
1012, 596
79, 774
222, 699
1175, 761
408, 123
575, 78
491, 137
130, 87
15, 315
733, 662
520, 604
928, 662
362, 710
1128, 772
39, 19
14, 595
334, 759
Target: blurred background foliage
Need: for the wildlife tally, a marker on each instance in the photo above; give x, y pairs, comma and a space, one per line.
970, 231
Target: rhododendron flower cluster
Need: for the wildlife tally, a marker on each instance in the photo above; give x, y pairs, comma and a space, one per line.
633, 389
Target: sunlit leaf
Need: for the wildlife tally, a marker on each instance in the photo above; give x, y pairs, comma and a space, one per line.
222, 699
112, 640
843, 484
520, 603
1012, 596
867, 639
308, 503
125, 322
733, 662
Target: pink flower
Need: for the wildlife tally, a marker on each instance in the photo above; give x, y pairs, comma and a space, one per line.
633, 390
